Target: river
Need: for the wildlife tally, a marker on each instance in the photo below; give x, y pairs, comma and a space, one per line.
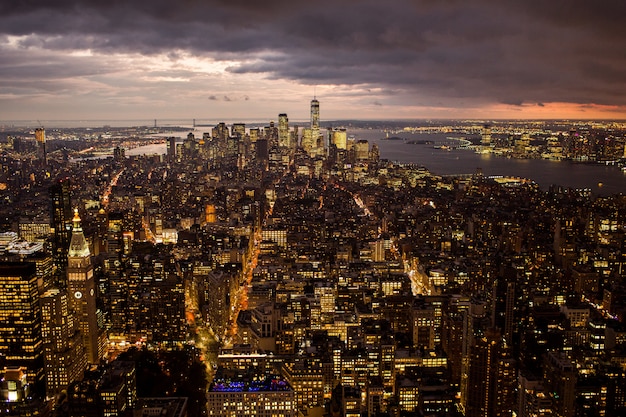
601, 179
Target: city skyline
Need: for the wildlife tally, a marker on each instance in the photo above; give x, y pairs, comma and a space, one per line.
363, 60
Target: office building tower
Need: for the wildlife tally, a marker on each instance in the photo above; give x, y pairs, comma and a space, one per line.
255, 134
40, 137
171, 149
64, 353
239, 130
81, 287
307, 143
61, 224
271, 134
20, 319
315, 119
339, 138
262, 151
283, 131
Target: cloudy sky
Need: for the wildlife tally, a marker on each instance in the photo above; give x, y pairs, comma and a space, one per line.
364, 59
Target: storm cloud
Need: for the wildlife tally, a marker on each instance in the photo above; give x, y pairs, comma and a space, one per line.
410, 52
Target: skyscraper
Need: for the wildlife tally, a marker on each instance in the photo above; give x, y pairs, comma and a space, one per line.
64, 353
81, 287
20, 318
40, 136
315, 121
61, 224
283, 131
171, 149
491, 377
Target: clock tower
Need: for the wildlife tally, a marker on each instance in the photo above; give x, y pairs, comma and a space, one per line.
81, 288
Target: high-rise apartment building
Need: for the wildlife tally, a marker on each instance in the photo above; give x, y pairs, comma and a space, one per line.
81, 287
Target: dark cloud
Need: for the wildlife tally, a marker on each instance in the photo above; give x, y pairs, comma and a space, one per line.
508, 51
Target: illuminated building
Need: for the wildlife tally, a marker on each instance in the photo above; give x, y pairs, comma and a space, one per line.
307, 142
209, 213
306, 376
362, 150
34, 229
81, 287
423, 320
491, 378
239, 130
265, 397
61, 224
255, 134
485, 139
117, 388
64, 354
559, 374
20, 319
14, 386
40, 137
340, 138
311, 135
407, 391
153, 306
265, 325
315, 119
533, 401
283, 131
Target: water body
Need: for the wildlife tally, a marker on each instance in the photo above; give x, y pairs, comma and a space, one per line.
465, 161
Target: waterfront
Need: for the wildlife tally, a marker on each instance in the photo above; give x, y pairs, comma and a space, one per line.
601, 179
465, 161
